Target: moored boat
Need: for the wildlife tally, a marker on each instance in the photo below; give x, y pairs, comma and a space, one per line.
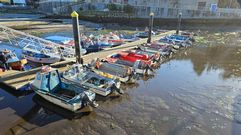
12, 60
154, 56
48, 84
164, 50
131, 56
138, 66
175, 41
40, 54
115, 40
113, 71
129, 38
92, 81
66, 41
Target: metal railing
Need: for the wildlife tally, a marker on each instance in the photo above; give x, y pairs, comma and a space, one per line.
21, 39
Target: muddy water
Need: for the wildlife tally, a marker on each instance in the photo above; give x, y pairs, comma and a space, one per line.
197, 92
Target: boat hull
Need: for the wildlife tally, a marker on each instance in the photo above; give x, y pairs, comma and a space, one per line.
18, 65
42, 60
59, 102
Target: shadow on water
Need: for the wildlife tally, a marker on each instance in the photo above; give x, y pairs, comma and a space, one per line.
51, 109
43, 113
15, 93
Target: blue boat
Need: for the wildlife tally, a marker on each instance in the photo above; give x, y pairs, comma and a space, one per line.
91, 47
176, 40
129, 38
105, 44
144, 34
178, 37
48, 85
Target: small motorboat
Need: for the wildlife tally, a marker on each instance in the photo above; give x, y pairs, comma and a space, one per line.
48, 84
61, 40
111, 40
158, 44
90, 46
103, 43
115, 40
92, 81
12, 60
175, 41
155, 56
139, 66
144, 34
68, 43
113, 71
164, 50
38, 54
129, 38
180, 38
131, 56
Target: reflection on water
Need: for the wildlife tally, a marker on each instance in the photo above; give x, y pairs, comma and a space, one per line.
197, 92
226, 58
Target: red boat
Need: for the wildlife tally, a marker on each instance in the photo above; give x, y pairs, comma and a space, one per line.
139, 66
115, 40
155, 56
132, 57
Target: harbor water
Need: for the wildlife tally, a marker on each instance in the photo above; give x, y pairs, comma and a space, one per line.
196, 92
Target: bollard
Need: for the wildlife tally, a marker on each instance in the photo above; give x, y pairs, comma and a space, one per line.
150, 27
179, 23
75, 20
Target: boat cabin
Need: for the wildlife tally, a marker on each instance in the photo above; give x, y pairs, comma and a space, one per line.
47, 79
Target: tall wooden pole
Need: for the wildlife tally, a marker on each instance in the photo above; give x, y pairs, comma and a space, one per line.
179, 23
150, 27
75, 20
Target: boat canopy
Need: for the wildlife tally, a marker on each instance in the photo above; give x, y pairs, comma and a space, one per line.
47, 81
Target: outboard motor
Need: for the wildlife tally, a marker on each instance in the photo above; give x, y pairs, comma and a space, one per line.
88, 101
119, 91
147, 69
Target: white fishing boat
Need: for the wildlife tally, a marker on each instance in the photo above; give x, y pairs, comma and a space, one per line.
48, 84
40, 54
113, 71
92, 81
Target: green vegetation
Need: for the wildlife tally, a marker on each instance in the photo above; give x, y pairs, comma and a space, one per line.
229, 3
114, 7
36, 33
128, 9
